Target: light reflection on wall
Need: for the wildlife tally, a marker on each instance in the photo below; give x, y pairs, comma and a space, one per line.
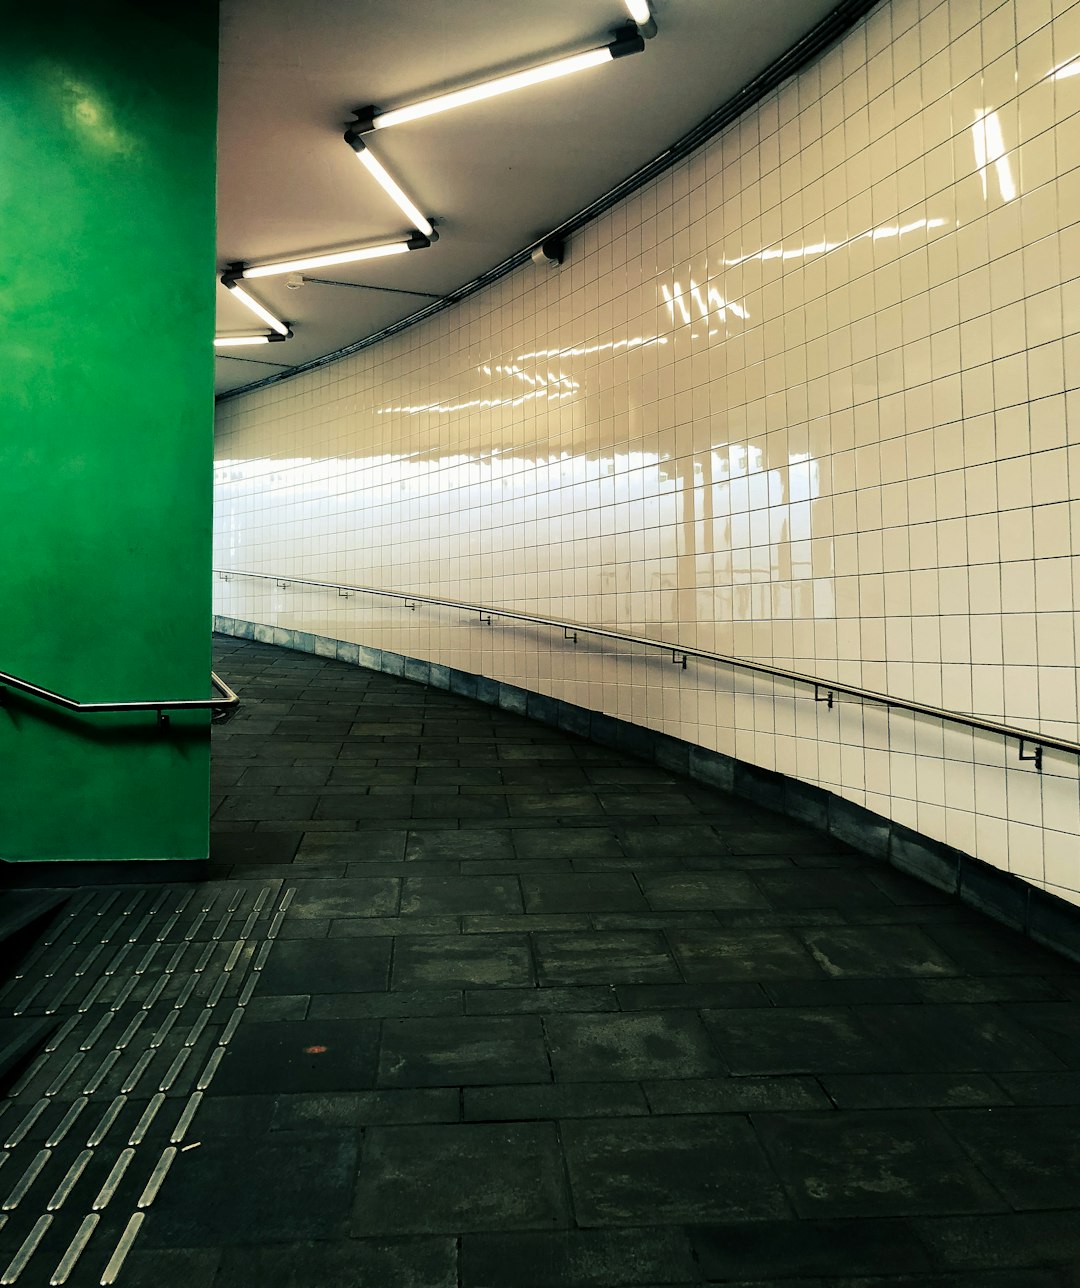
724, 525
712, 302
989, 144
824, 247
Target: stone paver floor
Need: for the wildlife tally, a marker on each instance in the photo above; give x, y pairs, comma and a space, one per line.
542, 1016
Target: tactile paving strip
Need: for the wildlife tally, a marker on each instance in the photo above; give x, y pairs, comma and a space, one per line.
148, 987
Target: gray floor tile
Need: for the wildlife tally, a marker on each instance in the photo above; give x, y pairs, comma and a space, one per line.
658, 1044
577, 1259
862, 1164
913, 1090
210, 1196
357, 1006
457, 845
425, 896
567, 1100
462, 1051
668, 997
582, 892
308, 1111
957, 1039
1010, 1239
257, 807
461, 961
326, 966
1056, 1025
673, 891
395, 1263
672, 841
888, 951
1031, 1155
300, 1055
366, 844
458, 1179
669, 1171
734, 1095
356, 897
610, 957
819, 888
780, 1251
519, 923
540, 1001
567, 843
797, 1040
729, 954
153, 1267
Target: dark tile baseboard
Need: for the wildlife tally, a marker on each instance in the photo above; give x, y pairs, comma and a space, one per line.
1043, 917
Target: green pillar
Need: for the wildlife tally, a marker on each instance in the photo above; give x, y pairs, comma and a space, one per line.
107, 163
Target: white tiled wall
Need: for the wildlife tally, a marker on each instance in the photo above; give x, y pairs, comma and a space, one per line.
813, 396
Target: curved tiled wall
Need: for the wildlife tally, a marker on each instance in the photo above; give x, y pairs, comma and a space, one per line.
812, 396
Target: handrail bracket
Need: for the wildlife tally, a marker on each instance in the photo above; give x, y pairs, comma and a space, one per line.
828, 699
1036, 757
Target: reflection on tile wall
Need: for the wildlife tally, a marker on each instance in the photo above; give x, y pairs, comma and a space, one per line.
813, 396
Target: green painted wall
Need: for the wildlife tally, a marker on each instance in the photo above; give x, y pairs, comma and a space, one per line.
107, 163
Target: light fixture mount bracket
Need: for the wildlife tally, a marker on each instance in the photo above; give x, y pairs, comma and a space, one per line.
626, 40
364, 123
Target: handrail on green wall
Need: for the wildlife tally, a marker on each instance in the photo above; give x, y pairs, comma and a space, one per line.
219, 706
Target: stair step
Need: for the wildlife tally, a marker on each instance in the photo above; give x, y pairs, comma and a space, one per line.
20, 909
20, 1038
24, 914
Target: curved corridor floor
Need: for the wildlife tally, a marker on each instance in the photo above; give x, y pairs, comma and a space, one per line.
543, 1016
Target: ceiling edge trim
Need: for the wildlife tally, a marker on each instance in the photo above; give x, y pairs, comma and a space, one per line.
811, 46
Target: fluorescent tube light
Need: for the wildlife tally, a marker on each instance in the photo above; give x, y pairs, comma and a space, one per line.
639, 10
388, 184
227, 341
628, 40
334, 257
249, 302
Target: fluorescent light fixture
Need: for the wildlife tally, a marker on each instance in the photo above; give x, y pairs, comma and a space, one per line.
227, 341
388, 184
399, 247
628, 40
641, 12
249, 302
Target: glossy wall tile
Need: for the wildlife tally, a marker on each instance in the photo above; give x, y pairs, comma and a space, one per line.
813, 397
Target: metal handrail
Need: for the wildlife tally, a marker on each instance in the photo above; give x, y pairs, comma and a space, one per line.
680, 653
217, 705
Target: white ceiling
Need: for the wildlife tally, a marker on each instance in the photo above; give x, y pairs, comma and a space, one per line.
496, 176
